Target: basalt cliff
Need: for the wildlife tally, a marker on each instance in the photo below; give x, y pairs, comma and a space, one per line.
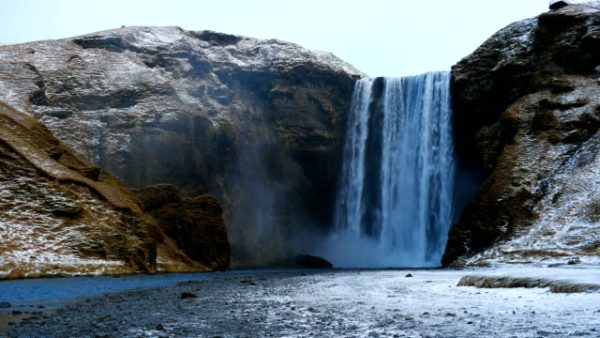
257, 123
527, 113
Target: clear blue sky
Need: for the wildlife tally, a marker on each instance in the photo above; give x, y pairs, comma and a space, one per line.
380, 37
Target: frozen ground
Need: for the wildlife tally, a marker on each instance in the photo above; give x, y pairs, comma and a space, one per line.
362, 303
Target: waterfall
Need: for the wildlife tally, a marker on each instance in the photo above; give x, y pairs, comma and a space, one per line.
394, 205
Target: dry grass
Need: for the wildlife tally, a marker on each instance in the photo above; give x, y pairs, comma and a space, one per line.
511, 282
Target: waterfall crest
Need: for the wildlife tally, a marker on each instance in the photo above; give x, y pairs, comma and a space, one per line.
394, 205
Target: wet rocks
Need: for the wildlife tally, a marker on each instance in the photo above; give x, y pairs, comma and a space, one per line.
187, 295
525, 113
312, 262
4, 305
247, 281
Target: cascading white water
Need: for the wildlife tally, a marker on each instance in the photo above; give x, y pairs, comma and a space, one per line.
394, 206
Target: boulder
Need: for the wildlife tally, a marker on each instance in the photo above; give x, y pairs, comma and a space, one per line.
312, 262
187, 295
527, 113
557, 4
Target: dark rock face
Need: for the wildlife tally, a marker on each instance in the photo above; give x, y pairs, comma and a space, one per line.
196, 224
63, 216
312, 262
527, 111
256, 123
557, 4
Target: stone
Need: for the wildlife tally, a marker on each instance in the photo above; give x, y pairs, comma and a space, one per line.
68, 211
5, 305
408, 275
557, 4
187, 295
525, 116
247, 281
312, 262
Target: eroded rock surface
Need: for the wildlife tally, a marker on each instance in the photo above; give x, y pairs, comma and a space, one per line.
60, 215
527, 111
196, 224
257, 123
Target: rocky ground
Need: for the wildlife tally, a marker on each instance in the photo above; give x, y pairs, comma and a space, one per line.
388, 303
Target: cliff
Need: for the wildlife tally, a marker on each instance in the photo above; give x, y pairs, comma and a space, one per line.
257, 123
61, 215
527, 113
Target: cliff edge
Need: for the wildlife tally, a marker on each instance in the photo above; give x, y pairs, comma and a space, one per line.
527, 113
257, 123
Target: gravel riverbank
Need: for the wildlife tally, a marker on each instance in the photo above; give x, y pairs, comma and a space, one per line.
383, 303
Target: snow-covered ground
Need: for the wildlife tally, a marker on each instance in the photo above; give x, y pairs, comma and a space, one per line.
347, 303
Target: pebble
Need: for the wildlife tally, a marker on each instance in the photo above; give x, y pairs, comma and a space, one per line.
187, 294
247, 282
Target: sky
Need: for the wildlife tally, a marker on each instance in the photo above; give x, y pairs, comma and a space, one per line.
379, 37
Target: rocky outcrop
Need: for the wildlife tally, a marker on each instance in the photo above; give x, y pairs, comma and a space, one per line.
61, 215
257, 123
196, 224
527, 111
